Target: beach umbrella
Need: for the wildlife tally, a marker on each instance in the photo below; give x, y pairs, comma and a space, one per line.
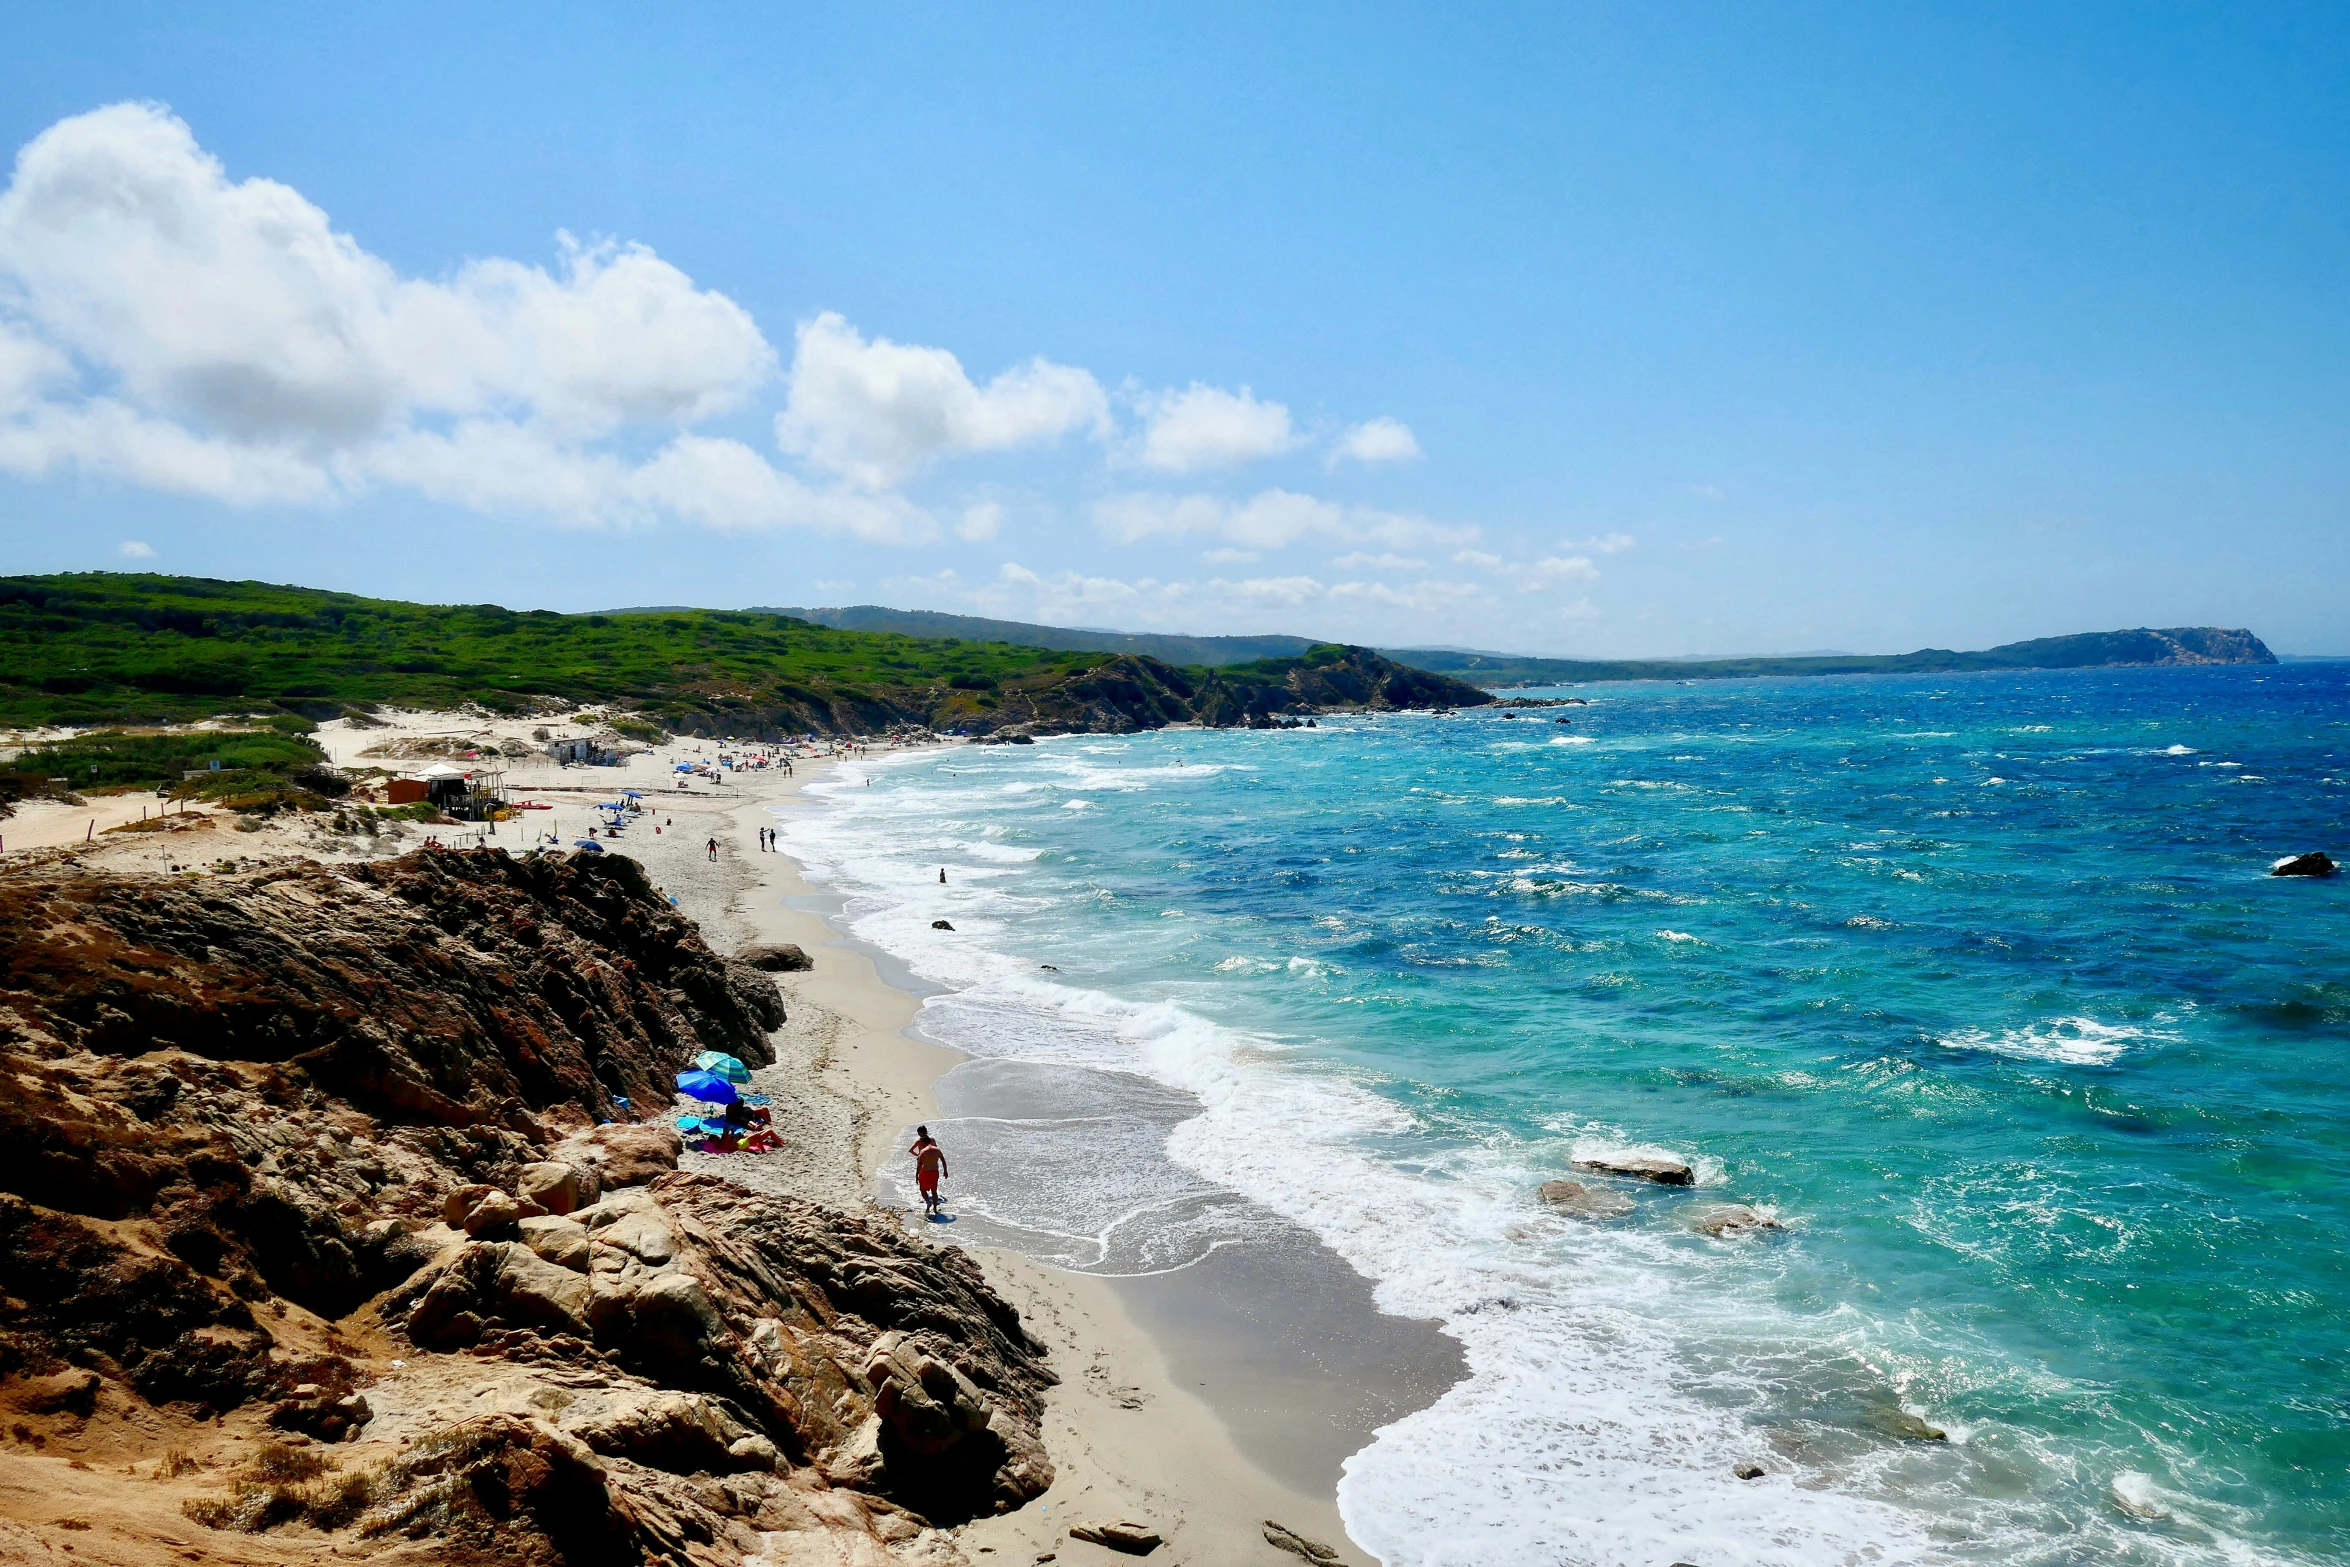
719, 1064
708, 1087
587, 843
633, 794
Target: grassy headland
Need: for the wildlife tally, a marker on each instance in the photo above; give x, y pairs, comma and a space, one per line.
103, 648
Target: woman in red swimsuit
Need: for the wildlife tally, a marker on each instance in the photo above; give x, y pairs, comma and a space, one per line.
930, 1163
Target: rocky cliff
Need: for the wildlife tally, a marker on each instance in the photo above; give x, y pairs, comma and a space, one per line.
1132, 692
322, 1213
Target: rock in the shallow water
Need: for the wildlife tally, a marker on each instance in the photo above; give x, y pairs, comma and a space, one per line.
1585, 1202
1296, 1544
1900, 1422
781, 957
624, 1154
2312, 864
1662, 1168
940, 925
1730, 1218
1749, 1471
1119, 1534
558, 1186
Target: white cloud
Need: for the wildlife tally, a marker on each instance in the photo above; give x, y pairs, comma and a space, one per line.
1376, 440
1268, 520
1208, 427
1385, 562
163, 325
1477, 558
875, 412
239, 311
1552, 570
1227, 557
1363, 611
1607, 543
134, 549
167, 326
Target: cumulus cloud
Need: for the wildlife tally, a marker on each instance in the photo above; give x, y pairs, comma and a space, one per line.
1207, 427
1531, 576
1551, 570
1364, 609
1376, 440
874, 412
1358, 561
1268, 520
135, 549
164, 325
1607, 543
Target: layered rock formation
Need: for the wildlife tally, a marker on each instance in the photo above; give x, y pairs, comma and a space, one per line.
1133, 692
312, 1155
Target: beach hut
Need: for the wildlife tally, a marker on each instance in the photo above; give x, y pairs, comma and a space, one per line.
446, 785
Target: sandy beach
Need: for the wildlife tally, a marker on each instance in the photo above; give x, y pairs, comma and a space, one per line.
1130, 1433
1202, 1403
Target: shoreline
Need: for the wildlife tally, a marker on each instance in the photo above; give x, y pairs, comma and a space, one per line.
1202, 1403
1130, 1430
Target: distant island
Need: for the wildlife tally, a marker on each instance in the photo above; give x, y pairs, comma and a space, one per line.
2087, 650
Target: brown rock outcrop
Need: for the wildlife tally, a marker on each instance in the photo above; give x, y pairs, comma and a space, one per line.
249, 1123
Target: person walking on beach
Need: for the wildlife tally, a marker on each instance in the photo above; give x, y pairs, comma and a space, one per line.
713, 851
930, 1165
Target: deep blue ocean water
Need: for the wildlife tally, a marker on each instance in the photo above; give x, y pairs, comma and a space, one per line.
1976, 983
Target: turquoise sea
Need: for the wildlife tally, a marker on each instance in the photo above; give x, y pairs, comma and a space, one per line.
1976, 983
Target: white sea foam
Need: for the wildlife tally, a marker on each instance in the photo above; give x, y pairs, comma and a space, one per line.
2071, 1041
1580, 1433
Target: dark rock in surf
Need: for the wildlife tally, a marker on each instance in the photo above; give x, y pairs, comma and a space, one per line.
940, 925
2312, 864
1585, 1202
1724, 1219
1661, 1168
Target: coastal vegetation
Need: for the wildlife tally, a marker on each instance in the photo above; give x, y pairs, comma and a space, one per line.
112, 649
2094, 649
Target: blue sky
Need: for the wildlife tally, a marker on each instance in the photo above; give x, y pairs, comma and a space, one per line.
1575, 329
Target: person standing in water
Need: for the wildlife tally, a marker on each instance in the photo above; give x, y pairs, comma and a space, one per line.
930, 1165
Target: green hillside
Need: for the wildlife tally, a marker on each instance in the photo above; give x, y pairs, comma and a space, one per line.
2096, 649
1167, 648
103, 648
